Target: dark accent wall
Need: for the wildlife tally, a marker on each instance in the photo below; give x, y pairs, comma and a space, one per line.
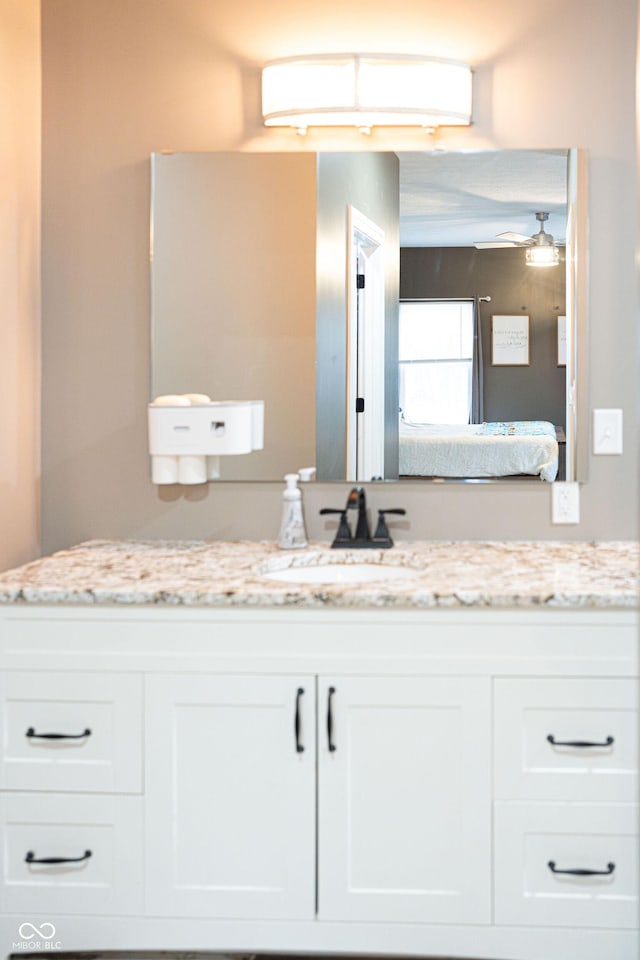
536, 392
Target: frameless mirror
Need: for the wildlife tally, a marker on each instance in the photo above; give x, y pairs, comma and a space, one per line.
350, 292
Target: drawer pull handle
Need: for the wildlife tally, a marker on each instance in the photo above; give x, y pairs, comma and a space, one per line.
330, 743
31, 734
578, 872
579, 743
299, 744
31, 858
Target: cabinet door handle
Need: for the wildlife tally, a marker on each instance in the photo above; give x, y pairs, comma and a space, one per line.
31, 734
299, 744
579, 872
579, 743
31, 858
330, 743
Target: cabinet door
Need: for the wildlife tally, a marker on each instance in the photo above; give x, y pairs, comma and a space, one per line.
404, 799
230, 809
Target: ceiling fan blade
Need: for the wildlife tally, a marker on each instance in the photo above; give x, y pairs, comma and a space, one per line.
514, 237
494, 244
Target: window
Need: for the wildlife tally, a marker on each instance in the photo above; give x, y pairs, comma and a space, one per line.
435, 354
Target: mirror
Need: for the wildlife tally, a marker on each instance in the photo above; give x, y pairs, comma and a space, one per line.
256, 290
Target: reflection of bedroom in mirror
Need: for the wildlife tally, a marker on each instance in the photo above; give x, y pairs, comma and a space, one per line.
251, 298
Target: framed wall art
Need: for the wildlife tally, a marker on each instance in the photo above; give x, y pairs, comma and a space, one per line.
562, 341
509, 340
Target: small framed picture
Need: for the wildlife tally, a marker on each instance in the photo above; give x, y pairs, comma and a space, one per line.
562, 341
509, 340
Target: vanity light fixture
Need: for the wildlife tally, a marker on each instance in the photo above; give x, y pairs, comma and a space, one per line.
363, 90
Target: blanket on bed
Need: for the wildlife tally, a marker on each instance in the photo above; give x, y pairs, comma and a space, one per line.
518, 428
468, 450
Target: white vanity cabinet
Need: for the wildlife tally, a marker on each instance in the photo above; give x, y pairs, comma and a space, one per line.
399, 797
372, 782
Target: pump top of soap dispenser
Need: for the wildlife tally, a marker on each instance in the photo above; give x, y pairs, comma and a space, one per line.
291, 491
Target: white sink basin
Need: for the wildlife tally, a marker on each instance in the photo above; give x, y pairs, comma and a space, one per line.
336, 572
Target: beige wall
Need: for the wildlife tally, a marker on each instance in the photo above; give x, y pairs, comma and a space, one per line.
234, 292
124, 79
19, 280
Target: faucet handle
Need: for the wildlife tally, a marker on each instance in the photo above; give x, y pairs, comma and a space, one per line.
344, 533
382, 537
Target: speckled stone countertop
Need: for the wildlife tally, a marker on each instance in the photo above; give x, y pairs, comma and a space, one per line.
228, 574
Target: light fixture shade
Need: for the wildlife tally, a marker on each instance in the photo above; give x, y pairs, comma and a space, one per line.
364, 90
547, 255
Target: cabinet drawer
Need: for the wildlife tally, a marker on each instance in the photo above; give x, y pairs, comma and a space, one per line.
71, 731
570, 836
593, 726
59, 826
537, 845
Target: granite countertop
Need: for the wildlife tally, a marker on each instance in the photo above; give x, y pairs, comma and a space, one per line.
227, 574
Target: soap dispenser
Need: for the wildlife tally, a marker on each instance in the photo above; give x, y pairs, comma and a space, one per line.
292, 533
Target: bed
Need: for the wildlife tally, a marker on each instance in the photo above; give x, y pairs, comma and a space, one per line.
499, 449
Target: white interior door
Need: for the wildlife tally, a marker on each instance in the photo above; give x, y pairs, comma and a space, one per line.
365, 349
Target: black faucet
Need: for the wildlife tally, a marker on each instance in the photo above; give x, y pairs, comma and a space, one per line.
362, 537
358, 500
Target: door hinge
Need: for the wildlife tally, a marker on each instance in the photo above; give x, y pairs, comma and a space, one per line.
359, 281
359, 404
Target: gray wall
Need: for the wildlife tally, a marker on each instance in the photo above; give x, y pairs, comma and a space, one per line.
534, 392
122, 80
369, 182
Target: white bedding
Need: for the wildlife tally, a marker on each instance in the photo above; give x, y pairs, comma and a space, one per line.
445, 450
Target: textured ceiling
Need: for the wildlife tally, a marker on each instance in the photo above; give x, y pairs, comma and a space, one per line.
455, 199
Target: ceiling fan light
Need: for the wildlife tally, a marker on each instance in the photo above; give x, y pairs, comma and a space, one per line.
546, 255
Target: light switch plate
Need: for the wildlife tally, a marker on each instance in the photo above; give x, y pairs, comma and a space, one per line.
565, 502
607, 432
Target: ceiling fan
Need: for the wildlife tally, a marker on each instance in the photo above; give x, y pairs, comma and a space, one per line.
542, 248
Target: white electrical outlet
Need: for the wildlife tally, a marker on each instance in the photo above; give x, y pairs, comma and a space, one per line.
607, 431
565, 502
